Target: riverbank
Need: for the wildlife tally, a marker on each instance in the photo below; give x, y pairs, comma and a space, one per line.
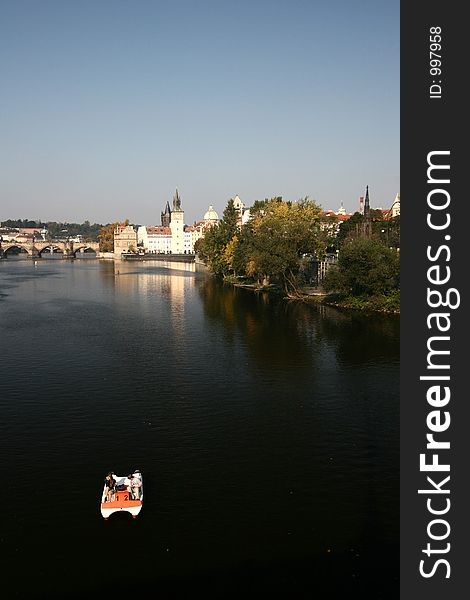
189, 258
379, 303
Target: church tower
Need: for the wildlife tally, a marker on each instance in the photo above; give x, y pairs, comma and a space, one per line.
177, 226
166, 216
367, 223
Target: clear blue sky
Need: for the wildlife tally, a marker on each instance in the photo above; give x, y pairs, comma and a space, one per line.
107, 105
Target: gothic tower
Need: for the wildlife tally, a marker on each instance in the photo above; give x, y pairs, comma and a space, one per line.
177, 226
367, 223
166, 216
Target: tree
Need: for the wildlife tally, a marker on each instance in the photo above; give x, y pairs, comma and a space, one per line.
365, 267
271, 246
106, 236
350, 229
229, 224
211, 249
277, 238
198, 245
216, 239
385, 229
229, 254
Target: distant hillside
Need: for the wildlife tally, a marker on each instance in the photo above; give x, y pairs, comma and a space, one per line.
58, 229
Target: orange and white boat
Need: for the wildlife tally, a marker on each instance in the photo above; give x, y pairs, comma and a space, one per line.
123, 499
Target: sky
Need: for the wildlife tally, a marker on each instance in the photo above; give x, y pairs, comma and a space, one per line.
106, 106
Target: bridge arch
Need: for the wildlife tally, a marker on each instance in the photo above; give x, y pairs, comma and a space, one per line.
51, 249
15, 250
84, 249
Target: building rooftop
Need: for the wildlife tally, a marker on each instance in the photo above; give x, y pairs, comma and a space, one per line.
211, 215
158, 231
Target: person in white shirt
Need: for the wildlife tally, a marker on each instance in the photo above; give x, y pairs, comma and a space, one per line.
135, 484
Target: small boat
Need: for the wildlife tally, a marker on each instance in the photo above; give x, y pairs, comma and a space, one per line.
123, 498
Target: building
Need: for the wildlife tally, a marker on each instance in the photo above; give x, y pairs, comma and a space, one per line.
177, 226
154, 240
173, 236
125, 239
195, 232
395, 210
389, 213
211, 217
23, 234
166, 216
331, 220
243, 211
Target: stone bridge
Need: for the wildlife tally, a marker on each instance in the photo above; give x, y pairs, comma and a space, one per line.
35, 248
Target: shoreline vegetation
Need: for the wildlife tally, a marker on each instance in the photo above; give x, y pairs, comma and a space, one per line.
379, 303
279, 249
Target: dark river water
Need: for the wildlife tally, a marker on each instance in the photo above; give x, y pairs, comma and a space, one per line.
267, 433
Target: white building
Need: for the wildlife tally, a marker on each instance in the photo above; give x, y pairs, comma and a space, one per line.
240, 207
177, 226
155, 240
238, 204
173, 237
211, 217
396, 206
246, 216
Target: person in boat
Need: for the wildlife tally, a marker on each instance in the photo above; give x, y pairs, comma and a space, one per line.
134, 484
110, 483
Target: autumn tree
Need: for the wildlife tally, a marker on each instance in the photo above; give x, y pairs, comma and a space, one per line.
275, 241
106, 236
271, 246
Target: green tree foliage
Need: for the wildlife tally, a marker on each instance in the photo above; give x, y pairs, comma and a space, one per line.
270, 246
211, 250
281, 234
198, 245
216, 239
57, 229
229, 224
389, 232
26, 223
365, 267
384, 229
350, 229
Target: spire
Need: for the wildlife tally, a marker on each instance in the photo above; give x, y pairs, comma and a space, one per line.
367, 202
367, 225
166, 215
176, 201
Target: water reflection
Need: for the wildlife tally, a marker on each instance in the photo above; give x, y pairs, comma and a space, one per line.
266, 430
297, 334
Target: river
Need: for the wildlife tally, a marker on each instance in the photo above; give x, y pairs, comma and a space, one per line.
267, 433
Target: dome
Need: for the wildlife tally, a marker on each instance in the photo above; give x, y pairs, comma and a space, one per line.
211, 215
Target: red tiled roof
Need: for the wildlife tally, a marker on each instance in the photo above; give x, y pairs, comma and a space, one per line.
195, 226
29, 229
331, 213
158, 231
